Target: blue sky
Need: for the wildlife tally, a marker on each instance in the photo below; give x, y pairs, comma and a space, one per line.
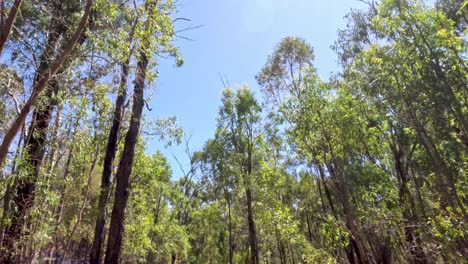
233, 43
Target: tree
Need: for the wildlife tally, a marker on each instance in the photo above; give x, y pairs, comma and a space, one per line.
239, 116
41, 84
23, 199
151, 31
111, 150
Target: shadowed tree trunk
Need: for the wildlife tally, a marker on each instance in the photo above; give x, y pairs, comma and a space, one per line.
112, 144
414, 243
106, 182
252, 229
23, 196
122, 191
124, 171
254, 258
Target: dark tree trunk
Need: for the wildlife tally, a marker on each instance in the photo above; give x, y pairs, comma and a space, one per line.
106, 181
351, 225
23, 196
309, 230
125, 167
327, 190
414, 243
124, 171
231, 238
112, 144
35, 145
252, 229
280, 246
23, 199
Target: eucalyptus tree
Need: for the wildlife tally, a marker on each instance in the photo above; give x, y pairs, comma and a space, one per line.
406, 59
289, 81
44, 75
229, 167
111, 150
23, 199
239, 123
421, 82
154, 36
214, 166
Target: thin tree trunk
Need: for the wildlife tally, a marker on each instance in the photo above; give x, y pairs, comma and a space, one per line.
280, 246
51, 158
9, 190
231, 244
59, 210
70, 136
252, 229
6, 28
343, 195
158, 208
414, 243
85, 200
327, 191
309, 230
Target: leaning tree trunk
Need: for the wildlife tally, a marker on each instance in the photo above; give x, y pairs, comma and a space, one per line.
112, 143
7, 25
34, 145
122, 191
114, 243
41, 84
99, 234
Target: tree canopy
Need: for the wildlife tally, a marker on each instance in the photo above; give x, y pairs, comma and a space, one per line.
370, 166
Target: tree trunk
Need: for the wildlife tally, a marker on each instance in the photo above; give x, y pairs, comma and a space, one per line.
343, 196
85, 200
309, 230
280, 246
8, 25
125, 167
231, 238
124, 171
414, 243
23, 197
41, 84
252, 229
106, 181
